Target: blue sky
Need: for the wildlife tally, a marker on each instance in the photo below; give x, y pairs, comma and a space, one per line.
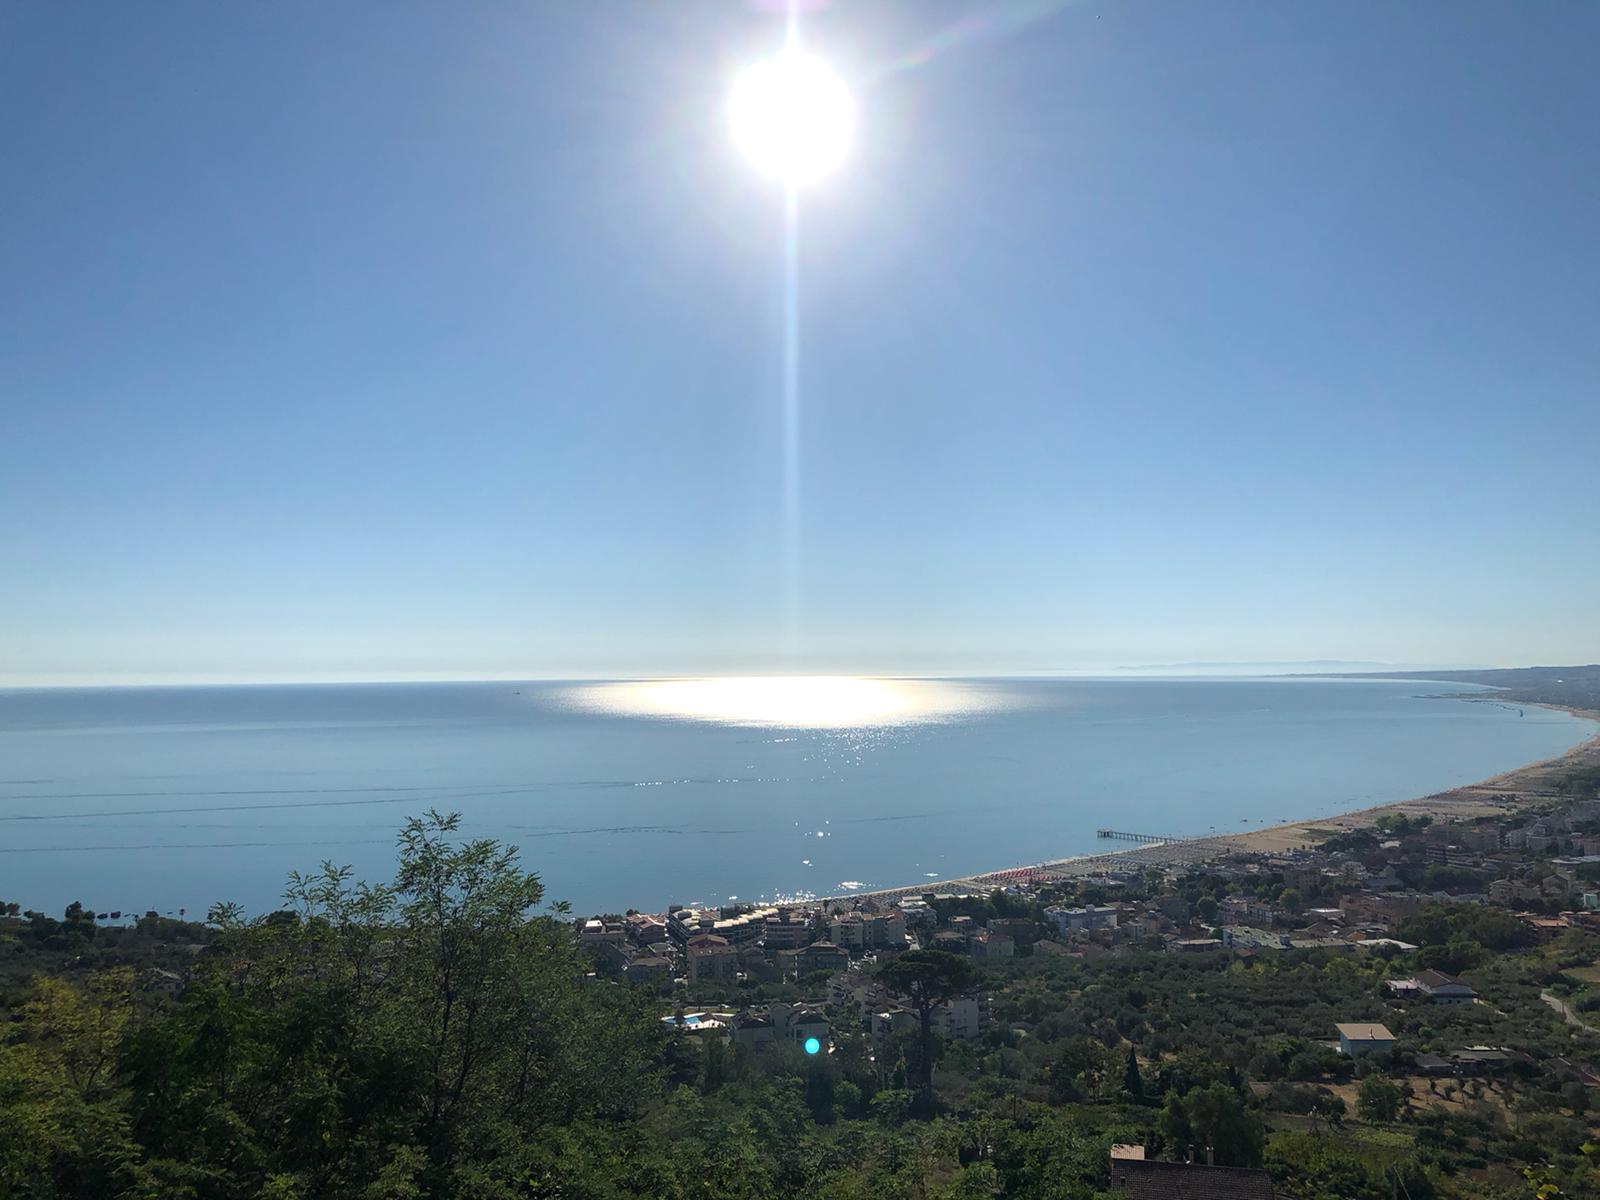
408, 340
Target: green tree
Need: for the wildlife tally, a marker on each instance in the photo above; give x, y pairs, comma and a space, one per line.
430, 1028
928, 978
1379, 1098
1132, 1080
1174, 1126
78, 921
1225, 1125
1214, 1120
63, 1125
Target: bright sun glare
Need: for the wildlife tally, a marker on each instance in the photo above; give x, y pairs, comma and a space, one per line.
797, 701
793, 117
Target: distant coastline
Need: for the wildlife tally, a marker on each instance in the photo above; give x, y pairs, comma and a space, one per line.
1498, 794
162, 798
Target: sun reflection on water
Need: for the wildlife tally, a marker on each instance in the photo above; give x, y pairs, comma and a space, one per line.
793, 701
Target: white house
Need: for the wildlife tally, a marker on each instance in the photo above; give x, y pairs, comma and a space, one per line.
1363, 1037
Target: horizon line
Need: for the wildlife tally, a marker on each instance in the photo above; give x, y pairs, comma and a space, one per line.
1237, 669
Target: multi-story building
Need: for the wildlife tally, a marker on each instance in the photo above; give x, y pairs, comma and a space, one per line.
645, 930
735, 925
1514, 891
991, 945
711, 957
1068, 921
788, 929
599, 932
1246, 910
961, 1019
818, 956
863, 931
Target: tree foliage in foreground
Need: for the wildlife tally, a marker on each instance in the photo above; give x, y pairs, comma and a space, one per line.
436, 1036
369, 1040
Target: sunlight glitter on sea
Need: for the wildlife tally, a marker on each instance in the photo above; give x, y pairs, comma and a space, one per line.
794, 701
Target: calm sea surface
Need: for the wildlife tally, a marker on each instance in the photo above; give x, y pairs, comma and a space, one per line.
166, 798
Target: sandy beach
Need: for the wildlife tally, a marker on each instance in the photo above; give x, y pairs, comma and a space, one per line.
1494, 796
1498, 794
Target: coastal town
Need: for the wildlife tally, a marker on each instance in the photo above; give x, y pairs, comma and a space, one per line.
1397, 1002
1351, 894
1403, 1001
1527, 842
1470, 922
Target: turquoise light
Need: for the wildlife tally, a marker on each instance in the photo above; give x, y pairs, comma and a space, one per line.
813, 1046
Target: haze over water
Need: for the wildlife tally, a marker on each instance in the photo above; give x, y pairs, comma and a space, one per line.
635, 795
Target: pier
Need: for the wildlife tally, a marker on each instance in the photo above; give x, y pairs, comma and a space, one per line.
1123, 835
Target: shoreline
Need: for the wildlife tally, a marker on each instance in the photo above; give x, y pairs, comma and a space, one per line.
1499, 794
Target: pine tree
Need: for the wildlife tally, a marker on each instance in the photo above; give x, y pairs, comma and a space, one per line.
1132, 1080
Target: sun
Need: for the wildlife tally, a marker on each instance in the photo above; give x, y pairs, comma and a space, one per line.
793, 117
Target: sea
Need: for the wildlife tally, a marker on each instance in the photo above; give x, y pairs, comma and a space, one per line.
619, 797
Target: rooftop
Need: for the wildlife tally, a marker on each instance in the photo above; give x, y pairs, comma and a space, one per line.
1364, 1031
1436, 979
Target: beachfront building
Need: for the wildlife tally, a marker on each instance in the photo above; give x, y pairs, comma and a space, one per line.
788, 929
1364, 1037
735, 926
